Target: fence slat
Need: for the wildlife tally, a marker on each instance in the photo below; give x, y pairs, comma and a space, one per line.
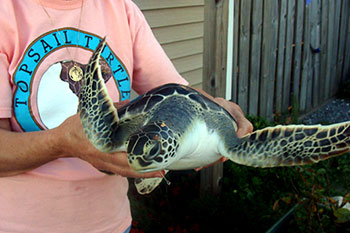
256, 30
281, 56
315, 46
297, 50
324, 38
244, 54
289, 55
346, 69
235, 65
330, 54
335, 84
270, 28
289, 50
304, 91
342, 37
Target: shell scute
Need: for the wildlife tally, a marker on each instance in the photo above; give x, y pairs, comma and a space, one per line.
213, 106
198, 100
182, 90
152, 101
151, 128
166, 91
138, 105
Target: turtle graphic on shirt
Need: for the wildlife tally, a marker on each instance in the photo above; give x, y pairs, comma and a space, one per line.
75, 85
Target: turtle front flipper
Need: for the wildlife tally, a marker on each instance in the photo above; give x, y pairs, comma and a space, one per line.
291, 145
98, 115
147, 185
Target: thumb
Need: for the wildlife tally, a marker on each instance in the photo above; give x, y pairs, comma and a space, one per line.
121, 104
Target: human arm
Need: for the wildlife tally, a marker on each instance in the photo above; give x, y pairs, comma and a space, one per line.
21, 152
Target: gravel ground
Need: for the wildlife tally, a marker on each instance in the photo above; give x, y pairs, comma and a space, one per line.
337, 110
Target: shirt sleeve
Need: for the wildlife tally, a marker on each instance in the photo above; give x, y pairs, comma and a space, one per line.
152, 67
5, 88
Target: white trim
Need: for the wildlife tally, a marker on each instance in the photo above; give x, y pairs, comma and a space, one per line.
231, 10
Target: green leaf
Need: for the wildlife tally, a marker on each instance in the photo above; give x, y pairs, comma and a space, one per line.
342, 215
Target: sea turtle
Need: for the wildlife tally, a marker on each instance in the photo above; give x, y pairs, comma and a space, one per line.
174, 127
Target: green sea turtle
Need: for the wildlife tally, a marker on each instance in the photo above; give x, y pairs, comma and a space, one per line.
174, 127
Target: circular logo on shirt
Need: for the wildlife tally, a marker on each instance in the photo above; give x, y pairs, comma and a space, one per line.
55, 97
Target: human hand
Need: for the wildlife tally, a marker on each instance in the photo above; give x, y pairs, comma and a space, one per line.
243, 125
72, 142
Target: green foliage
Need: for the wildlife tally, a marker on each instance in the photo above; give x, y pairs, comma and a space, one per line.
342, 215
315, 187
259, 122
174, 208
291, 115
344, 91
244, 200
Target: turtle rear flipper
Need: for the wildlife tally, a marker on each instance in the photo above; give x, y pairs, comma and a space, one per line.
291, 145
98, 115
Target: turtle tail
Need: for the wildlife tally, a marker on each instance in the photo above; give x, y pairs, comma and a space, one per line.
291, 145
98, 115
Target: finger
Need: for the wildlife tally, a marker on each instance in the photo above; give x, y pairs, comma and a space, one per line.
118, 164
121, 104
236, 110
244, 127
221, 160
127, 171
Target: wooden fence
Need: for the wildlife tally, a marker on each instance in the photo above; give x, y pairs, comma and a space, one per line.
289, 51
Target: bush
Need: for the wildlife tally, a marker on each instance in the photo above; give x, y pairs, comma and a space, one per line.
344, 92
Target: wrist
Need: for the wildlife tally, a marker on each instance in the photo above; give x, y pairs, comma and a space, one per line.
55, 142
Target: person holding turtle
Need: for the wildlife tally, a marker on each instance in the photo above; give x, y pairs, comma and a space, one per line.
50, 179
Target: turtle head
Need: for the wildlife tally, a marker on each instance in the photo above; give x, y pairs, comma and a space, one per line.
152, 148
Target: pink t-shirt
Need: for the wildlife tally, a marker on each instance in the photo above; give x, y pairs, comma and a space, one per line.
68, 194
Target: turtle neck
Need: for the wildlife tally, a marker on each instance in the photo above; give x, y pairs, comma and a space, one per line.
61, 4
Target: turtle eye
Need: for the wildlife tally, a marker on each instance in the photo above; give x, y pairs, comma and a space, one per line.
154, 151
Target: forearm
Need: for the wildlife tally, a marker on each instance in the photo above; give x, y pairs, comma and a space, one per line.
20, 152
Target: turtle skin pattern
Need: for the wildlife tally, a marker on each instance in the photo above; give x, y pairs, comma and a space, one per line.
97, 113
199, 129
292, 145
